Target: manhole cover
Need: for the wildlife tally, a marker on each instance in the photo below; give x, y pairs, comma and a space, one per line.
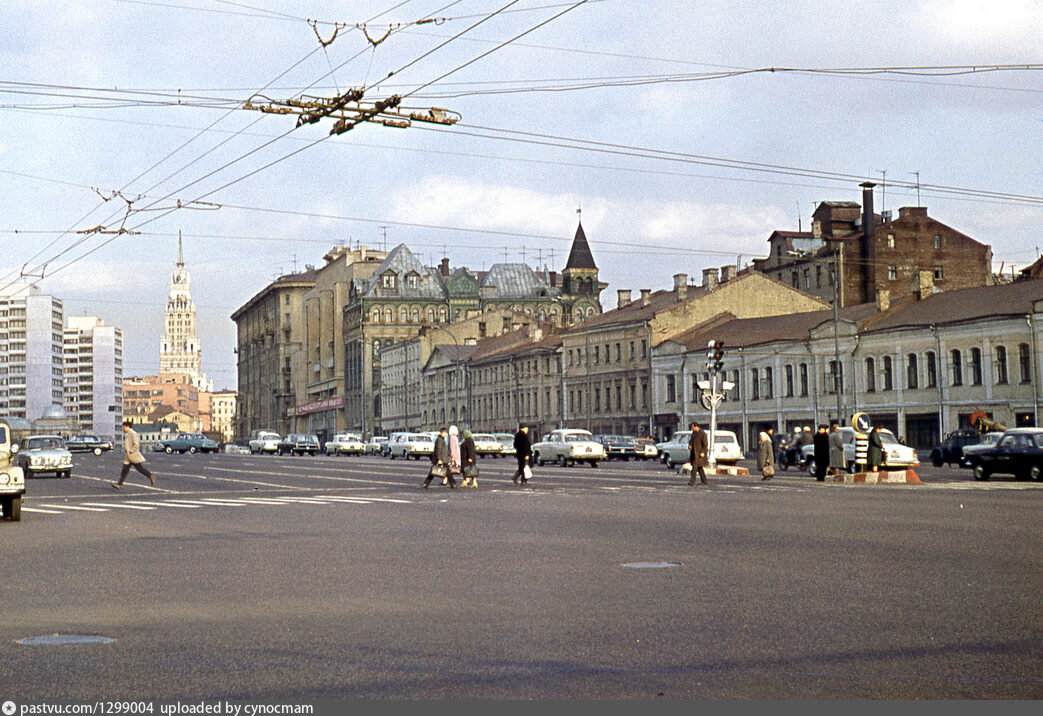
650, 565
65, 640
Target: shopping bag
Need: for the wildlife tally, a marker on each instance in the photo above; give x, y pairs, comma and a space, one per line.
527, 473
439, 471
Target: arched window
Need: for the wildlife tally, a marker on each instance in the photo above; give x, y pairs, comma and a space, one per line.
932, 370
889, 382
376, 315
442, 315
403, 316
957, 368
416, 315
803, 379
1025, 361
1001, 365
912, 372
389, 317
976, 371
870, 375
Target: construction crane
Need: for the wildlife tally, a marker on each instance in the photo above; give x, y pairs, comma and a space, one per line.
981, 421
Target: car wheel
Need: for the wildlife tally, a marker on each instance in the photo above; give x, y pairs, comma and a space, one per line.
536, 459
811, 467
193, 450
66, 473
593, 463
168, 450
12, 508
936, 459
563, 461
980, 473
1035, 473
668, 461
97, 451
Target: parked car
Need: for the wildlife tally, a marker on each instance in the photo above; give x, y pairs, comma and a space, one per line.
950, 451
487, 445
375, 445
726, 450
264, 441
44, 453
969, 451
618, 446
344, 444
385, 448
896, 455
1019, 453
189, 442
299, 444
88, 443
567, 446
644, 448
414, 445
12, 477
506, 443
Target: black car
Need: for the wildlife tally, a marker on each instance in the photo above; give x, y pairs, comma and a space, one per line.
87, 443
298, 444
950, 452
618, 446
1019, 453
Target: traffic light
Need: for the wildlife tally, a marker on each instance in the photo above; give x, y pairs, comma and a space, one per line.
718, 356
709, 355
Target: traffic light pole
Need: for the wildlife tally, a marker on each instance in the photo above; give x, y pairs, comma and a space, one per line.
712, 395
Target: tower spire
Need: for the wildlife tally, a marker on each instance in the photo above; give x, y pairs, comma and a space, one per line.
180, 253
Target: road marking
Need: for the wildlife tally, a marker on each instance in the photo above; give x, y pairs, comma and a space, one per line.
74, 507
147, 505
117, 504
45, 512
170, 503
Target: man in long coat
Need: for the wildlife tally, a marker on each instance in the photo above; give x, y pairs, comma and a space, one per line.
440, 456
837, 459
821, 441
132, 456
698, 449
523, 452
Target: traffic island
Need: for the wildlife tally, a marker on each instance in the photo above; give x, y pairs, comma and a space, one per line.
717, 470
884, 477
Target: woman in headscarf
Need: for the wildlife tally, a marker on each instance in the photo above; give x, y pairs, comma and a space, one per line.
469, 460
454, 450
766, 456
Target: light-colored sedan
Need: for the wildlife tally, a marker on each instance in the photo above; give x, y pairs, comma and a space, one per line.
375, 445
487, 445
265, 441
44, 453
567, 446
414, 445
344, 444
675, 451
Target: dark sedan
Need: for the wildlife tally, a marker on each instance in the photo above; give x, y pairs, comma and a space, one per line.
1019, 453
88, 443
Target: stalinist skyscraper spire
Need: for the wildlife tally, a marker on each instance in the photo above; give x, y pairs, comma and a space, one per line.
179, 350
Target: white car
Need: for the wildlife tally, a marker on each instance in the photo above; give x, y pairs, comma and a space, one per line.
567, 446
414, 445
44, 453
507, 443
486, 444
896, 455
375, 445
675, 451
345, 444
264, 441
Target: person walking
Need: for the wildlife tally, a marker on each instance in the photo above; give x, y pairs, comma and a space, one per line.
837, 460
523, 452
454, 450
468, 460
821, 442
132, 456
875, 453
766, 456
440, 461
698, 446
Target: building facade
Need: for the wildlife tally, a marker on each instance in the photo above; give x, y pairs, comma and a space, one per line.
94, 376
148, 398
32, 352
179, 349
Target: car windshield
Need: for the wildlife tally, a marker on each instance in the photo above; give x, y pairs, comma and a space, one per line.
888, 439
44, 443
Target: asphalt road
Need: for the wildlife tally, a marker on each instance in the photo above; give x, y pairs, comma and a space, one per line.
297, 578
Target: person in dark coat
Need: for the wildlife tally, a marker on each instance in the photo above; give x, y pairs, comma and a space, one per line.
875, 454
468, 460
766, 456
698, 447
821, 442
837, 459
523, 452
440, 456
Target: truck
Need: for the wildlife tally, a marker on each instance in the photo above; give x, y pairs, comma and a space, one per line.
12, 478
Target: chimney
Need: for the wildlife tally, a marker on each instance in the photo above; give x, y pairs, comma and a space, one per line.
923, 284
868, 240
681, 286
444, 266
623, 297
553, 279
646, 296
728, 272
710, 279
883, 300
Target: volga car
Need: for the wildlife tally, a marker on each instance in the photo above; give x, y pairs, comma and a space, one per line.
12, 478
375, 445
967, 457
189, 442
567, 446
487, 445
674, 451
264, 441
896, 455
414, 445
344, 444
45, 453
87, 443
506, 443
299, 444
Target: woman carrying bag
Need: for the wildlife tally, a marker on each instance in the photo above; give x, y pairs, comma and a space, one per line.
468, 460
766, 457
440, 461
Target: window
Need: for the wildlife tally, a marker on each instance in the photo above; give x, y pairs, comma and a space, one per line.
670, 389
1025, 361
818, 277
890, 240
889, 382
803, 379
912, 373
755, 388
1001, 365
932, 370
618, 356
892, 273
795, 280
769, 383
789, 380
387, 280
939, 273
957, 368
412, 280
870, 375
976, 372
632, 351
937, 241
807, 278
597, 354
836, 377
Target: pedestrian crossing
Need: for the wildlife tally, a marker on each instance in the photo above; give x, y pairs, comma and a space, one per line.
56, 508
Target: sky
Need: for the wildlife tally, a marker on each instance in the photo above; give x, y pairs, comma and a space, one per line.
660, 122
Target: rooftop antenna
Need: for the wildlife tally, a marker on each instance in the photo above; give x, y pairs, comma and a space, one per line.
384, 239
798, 217
883, 190
295, 263
917, 187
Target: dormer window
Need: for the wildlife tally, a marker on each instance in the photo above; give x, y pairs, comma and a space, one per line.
388, 281
413, 280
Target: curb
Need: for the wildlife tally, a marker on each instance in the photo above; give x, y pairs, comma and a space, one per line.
886, 477
729, 470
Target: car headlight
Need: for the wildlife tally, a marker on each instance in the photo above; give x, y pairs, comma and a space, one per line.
5, 479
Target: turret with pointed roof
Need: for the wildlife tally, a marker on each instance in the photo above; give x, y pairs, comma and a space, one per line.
581, 289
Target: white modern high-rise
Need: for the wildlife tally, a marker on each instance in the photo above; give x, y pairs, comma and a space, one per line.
179, 350
94, 375
31, 351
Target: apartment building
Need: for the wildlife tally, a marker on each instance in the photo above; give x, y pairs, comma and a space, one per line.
93, 359
32, 353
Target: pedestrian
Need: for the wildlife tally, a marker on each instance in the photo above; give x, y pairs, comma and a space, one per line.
837, 459
440, 460
766, 456
523, 453
468, 460
454, 450
698, 446
821, 442
132, 456
875, 453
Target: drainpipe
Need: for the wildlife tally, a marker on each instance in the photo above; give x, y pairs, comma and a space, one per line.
939, 376
1035, 361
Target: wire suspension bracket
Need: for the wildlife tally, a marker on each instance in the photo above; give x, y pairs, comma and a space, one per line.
349, 109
